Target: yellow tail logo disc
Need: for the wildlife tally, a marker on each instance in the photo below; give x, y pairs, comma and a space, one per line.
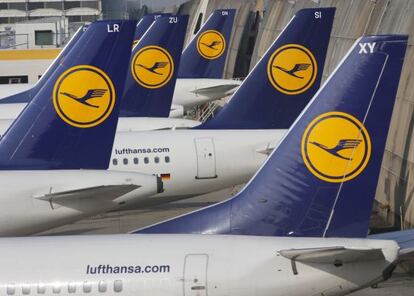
211, 44
292, 69
84, 96
152, 67
336, 147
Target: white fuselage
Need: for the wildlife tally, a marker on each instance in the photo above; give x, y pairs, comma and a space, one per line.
131, 124
181, 265
186, 95
34, 201
193, 162
7, 90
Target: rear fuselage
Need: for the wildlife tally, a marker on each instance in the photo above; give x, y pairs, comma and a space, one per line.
180, 265
192, 162
30, 201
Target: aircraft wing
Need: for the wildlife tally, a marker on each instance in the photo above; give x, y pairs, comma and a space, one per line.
217, 91
106, 192
331, 255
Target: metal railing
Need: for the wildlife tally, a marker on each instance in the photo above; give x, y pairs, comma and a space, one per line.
10, 40
206, 111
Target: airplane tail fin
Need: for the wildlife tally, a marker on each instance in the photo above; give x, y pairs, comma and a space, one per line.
321, 179
284, 80
150, 83
206, 53
27, 96
71, 121
145, 22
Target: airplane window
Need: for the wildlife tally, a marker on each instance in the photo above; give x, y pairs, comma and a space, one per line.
156, 159
41, 288
135, 160
102, 286
125, 161
25, 289
146, 160
72, 288
167, 159
87, 287
118, 286
115, 161
11, 289
56, 289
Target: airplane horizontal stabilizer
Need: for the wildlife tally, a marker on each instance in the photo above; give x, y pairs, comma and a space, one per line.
404, 239
106, 192
217, 91
332, 255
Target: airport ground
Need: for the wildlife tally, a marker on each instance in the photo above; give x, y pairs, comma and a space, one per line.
125, 221
401, 284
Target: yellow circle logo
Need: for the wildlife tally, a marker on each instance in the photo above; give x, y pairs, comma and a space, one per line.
292, 69
336, 147
211, 44
84, 96
152, 67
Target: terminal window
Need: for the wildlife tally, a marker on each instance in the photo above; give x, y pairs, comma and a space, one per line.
44, 37
54, 5
90, 4
35, 5
72, 4
14, 79
17, 6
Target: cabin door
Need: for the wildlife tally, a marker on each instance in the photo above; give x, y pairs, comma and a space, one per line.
195, 275
206, 158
